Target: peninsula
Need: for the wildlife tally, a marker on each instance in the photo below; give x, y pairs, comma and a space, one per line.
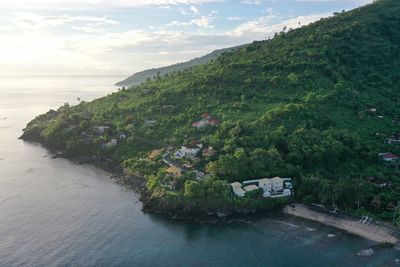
311, 114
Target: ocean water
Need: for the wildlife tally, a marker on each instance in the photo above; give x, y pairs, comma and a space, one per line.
57, 213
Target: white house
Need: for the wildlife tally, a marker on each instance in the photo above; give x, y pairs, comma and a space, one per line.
187, 151
101, 129
237, 189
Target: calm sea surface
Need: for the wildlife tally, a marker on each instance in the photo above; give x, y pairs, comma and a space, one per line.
56, 213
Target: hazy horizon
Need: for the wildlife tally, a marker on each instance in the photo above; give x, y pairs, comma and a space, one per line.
86, 37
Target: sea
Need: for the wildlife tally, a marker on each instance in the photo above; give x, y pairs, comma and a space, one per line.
54, 212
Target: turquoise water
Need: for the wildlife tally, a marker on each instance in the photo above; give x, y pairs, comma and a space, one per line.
56, 213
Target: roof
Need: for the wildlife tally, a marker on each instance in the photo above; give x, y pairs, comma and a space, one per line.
388, 156
250, 188
277, 180
208, 152
236, 185
174, 171
155, 153
265, 181
237, 189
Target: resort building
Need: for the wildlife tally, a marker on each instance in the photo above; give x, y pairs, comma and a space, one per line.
274, 187
190, 150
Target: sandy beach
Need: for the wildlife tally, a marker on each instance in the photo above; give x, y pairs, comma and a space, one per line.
372, 232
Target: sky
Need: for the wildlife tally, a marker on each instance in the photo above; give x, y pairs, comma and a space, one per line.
120, 37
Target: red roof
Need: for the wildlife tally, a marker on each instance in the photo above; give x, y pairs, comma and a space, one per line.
389, 156
205, 116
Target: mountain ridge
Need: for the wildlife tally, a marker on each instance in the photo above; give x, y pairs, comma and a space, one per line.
142, 76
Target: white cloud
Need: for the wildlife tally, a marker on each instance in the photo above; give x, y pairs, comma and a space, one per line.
263, 27
32, 21
194, 9
251, 2
202, 22
84, 4
98, 45
235, 18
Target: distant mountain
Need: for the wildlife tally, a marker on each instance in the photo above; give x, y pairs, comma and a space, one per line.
143, 76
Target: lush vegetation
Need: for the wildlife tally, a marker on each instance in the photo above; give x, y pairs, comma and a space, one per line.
299, 105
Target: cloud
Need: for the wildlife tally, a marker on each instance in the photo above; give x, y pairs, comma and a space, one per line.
264, 27
235, 18
251, 2
84, 4
194, 9
125, 51
202, 22
32, 21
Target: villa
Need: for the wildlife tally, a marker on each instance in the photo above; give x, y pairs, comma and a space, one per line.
190, 150
388, 157
272, 188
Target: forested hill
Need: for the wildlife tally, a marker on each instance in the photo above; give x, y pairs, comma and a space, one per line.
317, 104
143, 76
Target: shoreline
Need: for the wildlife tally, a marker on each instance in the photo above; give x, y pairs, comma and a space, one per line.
373, 232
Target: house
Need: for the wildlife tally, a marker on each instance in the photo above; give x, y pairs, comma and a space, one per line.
206, 120
155, 154
213, 122
101, 129
205, 116
200, 124
174, 171
394, 139
371, 110
275, 187
199, 175
122, 136
208, 152
149, 123
237, 189
388, 157
190, 150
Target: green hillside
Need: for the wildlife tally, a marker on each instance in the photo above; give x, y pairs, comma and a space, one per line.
143, 76
300, 105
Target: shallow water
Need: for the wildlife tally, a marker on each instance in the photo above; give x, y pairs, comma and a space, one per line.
57, 213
